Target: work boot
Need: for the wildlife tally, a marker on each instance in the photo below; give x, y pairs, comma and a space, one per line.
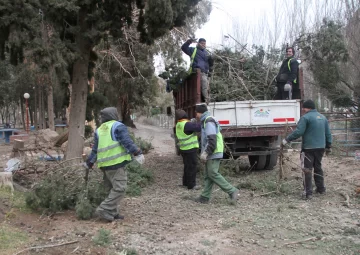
103, 215
196, 187
119, 217
201, 199
234, 196
306, 197
320, 191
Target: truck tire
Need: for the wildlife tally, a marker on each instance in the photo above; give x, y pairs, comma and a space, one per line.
258, 161
271, 161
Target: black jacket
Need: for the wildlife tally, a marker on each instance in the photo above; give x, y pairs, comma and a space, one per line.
288, 76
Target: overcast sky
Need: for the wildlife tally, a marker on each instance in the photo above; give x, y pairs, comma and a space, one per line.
253, 21
246, 14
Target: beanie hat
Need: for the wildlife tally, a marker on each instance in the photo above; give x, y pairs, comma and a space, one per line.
309, 104
201, 108
201, 40
180, 114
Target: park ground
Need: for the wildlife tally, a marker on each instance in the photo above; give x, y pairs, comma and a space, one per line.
269, 217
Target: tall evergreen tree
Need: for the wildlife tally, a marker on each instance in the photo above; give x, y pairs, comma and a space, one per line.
80, 25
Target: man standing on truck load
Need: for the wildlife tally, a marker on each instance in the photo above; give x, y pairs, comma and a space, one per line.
314, 129
189, 145
200, 58
212, 148
112, 150
286, 80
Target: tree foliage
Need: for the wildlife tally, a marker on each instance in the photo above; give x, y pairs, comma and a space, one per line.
326, 53
73, 29
244, 75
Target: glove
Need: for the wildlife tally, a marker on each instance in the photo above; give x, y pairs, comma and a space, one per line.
88, 165
140, 159
328, 151
203, 156
287, 87
284, 142
193, 120
192, 40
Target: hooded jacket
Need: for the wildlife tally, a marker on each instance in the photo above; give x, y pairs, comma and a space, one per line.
119, 132
209, 129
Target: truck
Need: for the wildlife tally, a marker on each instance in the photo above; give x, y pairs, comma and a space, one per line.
252, 128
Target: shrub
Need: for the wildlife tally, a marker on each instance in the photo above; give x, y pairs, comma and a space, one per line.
65, 188
138, 177
102, 237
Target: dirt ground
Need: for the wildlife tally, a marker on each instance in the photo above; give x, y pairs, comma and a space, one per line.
165, 220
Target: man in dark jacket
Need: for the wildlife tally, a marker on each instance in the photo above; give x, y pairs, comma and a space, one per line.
189, 145
201, 59
314, 129
112, 151
286, 80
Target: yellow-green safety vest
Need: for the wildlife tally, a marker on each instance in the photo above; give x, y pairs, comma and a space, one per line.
109, 152
186, 142
219, 139
294, 81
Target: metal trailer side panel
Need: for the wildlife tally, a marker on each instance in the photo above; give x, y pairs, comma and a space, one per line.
256, 114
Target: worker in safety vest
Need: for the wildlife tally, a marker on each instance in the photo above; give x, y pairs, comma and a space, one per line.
286, 80
212, 149
189, 145
200, 58
113, 148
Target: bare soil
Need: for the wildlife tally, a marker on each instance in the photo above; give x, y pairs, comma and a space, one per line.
166, 220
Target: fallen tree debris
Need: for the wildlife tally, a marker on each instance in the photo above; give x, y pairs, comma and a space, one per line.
315, 238
45, 246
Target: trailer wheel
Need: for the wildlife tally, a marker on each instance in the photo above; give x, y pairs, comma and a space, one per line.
271, 161
258, 161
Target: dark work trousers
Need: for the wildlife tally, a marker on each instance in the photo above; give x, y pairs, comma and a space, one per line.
311, 158
190, 162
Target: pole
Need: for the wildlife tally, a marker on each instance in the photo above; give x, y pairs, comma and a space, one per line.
27, 116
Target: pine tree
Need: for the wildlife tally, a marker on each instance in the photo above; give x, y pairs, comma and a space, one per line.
80, 25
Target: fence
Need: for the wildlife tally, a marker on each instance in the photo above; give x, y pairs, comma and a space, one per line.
345, 130
160, 120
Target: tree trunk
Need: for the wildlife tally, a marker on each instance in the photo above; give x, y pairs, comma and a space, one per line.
125, 112
14, 114
79, 91
22, 113
43, 123
39, 107
36, 107
30, 115
50, 107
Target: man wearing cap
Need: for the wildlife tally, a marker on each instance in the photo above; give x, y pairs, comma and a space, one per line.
189, 145
314, 129
112, 150
286, 80
212, 149
200, 58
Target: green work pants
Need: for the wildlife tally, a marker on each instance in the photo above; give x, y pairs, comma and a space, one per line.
212, 176
115, 181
